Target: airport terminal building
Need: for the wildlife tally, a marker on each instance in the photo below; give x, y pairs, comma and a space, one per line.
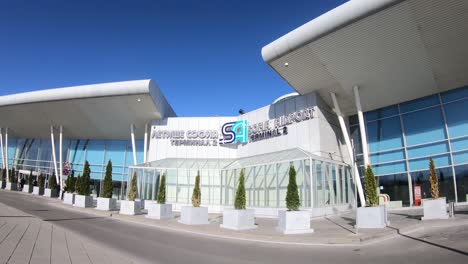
378, 82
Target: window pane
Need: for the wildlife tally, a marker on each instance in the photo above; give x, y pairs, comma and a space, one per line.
381, 113
455, 94
384, 134
389, 168
459, 144
423, 163
424, 126
462, 182
387, 156
426, 150
419, 103
460, 157
457, 118
396, 186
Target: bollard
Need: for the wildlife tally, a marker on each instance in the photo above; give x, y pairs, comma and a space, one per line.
452, 209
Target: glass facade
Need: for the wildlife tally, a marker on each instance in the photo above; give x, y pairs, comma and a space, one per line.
403, 137
36, 155
321, 182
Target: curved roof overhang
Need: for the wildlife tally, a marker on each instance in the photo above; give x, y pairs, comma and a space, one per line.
98, 111
394, 50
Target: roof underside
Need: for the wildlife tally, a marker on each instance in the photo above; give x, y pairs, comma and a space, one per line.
393, 50
100, 111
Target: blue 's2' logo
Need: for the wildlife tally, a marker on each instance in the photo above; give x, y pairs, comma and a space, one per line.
234, 132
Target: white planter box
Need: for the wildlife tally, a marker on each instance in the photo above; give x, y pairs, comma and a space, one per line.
190, 215
130, 207
106, 204
27, 188
50, 193
372, 217
147, 203
159, 211
435, 209
83, 201
238, 219
11, 186
69, 198
294, 222
38, 191
395, 204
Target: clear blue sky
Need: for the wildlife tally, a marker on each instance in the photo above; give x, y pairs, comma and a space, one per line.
205, 55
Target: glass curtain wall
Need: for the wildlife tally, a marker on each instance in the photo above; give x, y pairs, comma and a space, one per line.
403, 137
321, 183
36, 155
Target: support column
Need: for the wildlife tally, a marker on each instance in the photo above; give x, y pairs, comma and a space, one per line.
54, 157
362, 127
6, 155
145, 147
132, 134
60, 158
357, 179
1, 146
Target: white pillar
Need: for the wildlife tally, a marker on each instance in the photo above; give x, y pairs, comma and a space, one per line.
362, 128
132, 134
6, 155
1, 146
54, 157
60, 158
357, 179
145, 147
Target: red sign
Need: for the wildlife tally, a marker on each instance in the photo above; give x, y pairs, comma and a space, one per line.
417, 195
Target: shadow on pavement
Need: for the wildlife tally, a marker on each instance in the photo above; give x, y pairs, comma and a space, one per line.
70, 219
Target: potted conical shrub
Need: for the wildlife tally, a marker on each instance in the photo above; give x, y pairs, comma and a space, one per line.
83, 198
293, 221
69, 196
106, 202
194, 215
239, 218
2, 178
130, 206
437, 207
373, 215
39, 189
12, 184
160, 210
51, 191
28, 187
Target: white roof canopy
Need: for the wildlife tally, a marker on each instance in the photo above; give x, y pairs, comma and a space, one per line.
393, 50
99, 111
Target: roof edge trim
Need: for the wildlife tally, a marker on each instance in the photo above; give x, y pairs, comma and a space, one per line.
331, 21
78, 92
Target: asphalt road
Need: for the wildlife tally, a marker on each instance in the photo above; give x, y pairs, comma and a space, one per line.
150, 245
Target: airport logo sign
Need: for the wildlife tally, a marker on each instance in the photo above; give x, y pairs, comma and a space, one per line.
234, 132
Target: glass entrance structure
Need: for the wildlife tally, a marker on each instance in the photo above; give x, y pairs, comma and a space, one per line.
321, 182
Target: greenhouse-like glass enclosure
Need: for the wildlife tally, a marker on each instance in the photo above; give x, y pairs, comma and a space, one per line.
321, 182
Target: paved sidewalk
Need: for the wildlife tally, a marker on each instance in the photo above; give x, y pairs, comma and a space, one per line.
333, 230
26, 239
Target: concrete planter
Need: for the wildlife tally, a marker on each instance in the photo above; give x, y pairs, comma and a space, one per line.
372, 217
69, 198
38, 191
130, 207
27, 188
190, 215
238, 219
50, 193
11, 186
83, 201
435, 209
147, 204
106, 204
294, 222
159, 211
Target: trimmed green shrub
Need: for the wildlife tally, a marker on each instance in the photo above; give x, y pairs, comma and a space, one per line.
78, 185
30, 178
196, 195
434, 180
292, 196
370, 186
86, 180
162, 190
133, 188
107, 184
52, 181
41, 181
239, 203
